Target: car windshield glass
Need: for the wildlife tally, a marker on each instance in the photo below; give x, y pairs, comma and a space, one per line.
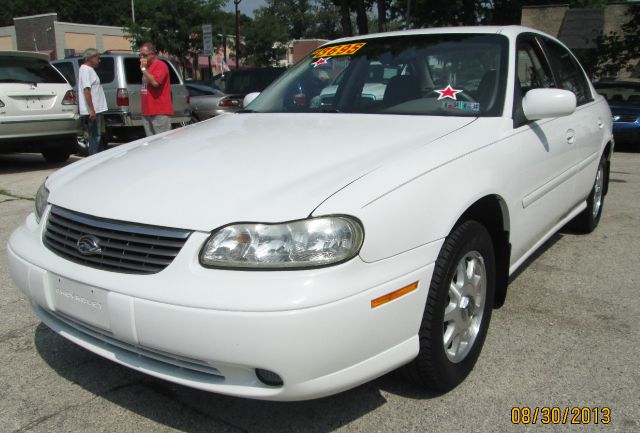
440, 75
18, 69
620, 95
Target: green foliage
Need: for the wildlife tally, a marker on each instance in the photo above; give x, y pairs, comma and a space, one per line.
264, 39
618, 51
326, 21
173, 26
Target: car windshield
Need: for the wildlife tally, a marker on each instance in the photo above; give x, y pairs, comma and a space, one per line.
18, 69
439, 75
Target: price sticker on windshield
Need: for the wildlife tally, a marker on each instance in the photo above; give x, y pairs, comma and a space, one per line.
338, 50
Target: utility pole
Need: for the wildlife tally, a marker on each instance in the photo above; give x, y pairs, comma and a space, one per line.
237, 2
133, 13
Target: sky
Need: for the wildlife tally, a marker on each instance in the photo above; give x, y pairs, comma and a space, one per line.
246, 6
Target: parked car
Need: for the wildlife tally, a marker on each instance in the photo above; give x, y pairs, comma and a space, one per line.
38, 108
624, 100
121, 80
289, 252
203, 101
239, 83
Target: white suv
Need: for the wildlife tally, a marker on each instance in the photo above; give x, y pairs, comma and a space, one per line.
38, 108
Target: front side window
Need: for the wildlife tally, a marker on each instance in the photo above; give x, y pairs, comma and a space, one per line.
18, 69
437, 75
533, 72
569, 74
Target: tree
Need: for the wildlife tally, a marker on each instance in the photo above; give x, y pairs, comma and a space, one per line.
173, 26
618, 51
296, 15
326, 18
264, 39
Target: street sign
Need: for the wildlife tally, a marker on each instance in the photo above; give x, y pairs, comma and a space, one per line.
207, 40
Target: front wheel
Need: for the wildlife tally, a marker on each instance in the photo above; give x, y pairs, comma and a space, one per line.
457, 311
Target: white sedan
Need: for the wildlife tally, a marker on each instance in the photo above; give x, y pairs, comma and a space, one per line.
292, 251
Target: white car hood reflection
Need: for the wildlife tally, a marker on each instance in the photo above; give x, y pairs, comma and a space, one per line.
242, 167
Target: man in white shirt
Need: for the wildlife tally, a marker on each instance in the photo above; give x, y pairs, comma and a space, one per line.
91, 98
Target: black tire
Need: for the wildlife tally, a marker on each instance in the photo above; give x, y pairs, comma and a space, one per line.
588, 219
57, 154
432, 368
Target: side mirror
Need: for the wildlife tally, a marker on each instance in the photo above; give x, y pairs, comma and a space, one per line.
249, 98
545, 103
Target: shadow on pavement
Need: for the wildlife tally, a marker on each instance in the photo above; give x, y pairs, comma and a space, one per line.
187, 409
24, 162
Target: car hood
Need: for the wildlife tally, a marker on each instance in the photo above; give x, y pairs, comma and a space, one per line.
240, 167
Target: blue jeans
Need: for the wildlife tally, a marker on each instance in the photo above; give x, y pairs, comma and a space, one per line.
95, 134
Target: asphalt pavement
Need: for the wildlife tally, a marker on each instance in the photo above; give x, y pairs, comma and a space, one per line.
568, 336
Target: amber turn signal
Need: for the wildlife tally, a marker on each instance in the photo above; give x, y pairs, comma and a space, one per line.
393, 295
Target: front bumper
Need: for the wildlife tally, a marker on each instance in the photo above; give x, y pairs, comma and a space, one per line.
165, 325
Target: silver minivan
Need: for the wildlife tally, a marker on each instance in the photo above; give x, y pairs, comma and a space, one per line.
121, 80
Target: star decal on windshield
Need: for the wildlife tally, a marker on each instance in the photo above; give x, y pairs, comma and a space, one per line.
448, 92
320, 61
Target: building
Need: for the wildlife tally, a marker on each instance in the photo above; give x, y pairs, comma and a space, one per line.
44, 33
579, 28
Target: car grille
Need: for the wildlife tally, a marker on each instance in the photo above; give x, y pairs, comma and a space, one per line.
625, 118
125, 247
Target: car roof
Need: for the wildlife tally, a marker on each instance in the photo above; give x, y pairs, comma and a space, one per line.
509, 31
31, 54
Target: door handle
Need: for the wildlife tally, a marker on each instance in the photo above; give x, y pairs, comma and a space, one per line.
600, 123
571, 136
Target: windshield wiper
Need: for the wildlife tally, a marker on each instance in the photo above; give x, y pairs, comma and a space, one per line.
245, 111
330, 110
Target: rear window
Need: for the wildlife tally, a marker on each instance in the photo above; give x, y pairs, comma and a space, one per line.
133, 73
16, 69
105, 70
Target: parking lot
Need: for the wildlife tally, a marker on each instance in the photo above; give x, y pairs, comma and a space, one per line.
567, 337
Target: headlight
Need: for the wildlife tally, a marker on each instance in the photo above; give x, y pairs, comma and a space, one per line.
306, 243
41, 201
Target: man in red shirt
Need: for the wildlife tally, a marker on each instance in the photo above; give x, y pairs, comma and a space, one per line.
155, 93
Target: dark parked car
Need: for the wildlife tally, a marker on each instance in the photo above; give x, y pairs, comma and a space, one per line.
239, 83
624, 100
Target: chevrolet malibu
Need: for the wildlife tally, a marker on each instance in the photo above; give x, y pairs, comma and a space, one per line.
295, 249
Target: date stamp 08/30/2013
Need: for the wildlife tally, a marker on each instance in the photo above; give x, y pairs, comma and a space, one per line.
561, 415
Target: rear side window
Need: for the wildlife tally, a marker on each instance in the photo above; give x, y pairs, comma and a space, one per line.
568, 72
105, 69
66, 68
133, 73
17, 69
